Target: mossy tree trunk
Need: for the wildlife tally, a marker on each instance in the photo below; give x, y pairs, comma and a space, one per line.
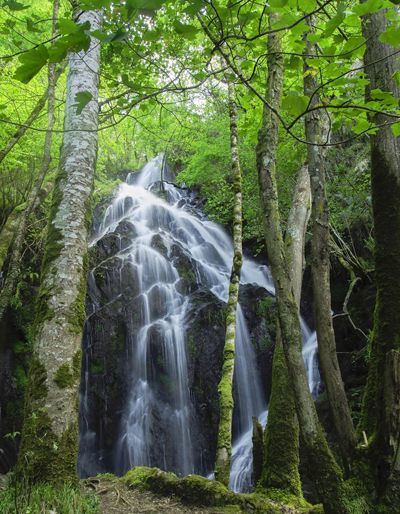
224, 444
13, 271
281, 440
381, 409
49, 442
325, 472
317, 132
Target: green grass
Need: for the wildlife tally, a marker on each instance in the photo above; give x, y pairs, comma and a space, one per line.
42, 499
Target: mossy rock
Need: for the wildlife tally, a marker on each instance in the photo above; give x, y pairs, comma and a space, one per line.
198, 490
152, 479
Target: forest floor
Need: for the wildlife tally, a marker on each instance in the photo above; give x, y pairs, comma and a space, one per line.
116, 497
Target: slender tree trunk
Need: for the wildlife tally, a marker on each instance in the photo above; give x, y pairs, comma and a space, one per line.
281, 441
8, 289
224, 444
325, 472
31, 118
49, 442
316, 130
7, 235
381, 409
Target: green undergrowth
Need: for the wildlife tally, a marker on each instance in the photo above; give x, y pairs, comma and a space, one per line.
200, 491
43, 499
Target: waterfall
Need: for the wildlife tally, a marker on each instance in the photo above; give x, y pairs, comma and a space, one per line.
163, 220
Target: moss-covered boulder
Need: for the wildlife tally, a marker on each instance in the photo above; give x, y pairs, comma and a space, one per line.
199, 491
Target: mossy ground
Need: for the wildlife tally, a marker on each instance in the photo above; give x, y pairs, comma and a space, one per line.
213, 496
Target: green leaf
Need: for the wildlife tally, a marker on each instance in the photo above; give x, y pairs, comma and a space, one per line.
87, 5
66, 26
294, 103
386, 97
32, 62
73, 42
391, 37
363, 124
152, 35
15, 6
333, 24
368, 7
82, 99
150, 5
194, 7
58, 51
119, 35
396, 126
100, 35
31, 26
278, 3
188, 31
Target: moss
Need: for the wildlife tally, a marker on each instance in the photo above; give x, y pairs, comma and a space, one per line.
264, 305
52, 251
64, 376
76, 365
191, 346
258, 450
326, 474
44, 456
281, 440
77, 313
96, 368
286, 497
224, 445
152, 479
199, 491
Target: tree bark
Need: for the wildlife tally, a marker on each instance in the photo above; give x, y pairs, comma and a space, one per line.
8, 289
49, 442
381, 414
325, 472
316, 129
281, 441
224, 444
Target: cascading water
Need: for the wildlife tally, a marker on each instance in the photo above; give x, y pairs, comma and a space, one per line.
163, 218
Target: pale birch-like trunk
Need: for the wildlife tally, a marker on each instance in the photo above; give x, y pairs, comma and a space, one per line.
316, 129
14, 266
281, 446
224, 443
381, 409
325, 472
49, 442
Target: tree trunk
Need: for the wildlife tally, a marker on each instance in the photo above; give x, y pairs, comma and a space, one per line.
8, 289
7, 235
316, 130
381, 413
224, 444
14, 139
325, 472
281, 444
49, 442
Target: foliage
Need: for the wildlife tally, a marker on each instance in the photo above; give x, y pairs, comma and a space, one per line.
45, 498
